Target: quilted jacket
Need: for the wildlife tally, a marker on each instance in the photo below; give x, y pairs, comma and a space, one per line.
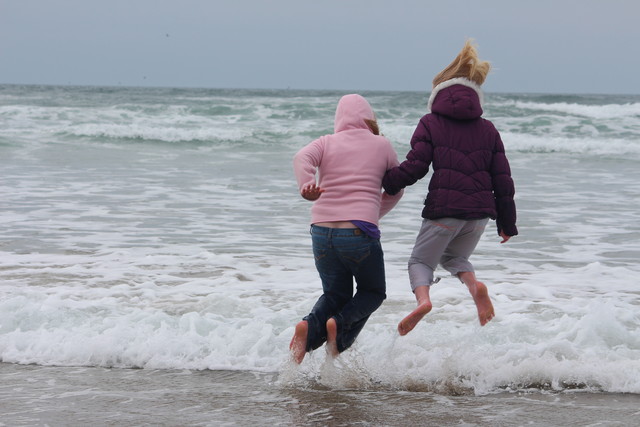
471, 174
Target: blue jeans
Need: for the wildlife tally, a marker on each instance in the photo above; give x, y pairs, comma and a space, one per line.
342, 254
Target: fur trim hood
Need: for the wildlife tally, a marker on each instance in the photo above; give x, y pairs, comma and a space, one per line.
456, 81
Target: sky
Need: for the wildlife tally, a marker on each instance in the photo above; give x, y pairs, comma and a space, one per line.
535, 46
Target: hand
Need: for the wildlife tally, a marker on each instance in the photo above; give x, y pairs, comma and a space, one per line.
311, 192
505, 238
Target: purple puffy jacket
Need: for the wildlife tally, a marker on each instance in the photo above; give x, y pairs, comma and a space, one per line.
471, 174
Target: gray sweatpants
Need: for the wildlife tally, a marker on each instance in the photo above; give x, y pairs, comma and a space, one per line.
445, 241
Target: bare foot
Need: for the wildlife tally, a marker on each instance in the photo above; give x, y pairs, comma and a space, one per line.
298, 343
407, 324
483, 302
332, 335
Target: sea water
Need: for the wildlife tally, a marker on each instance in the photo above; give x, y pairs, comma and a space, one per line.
162, 229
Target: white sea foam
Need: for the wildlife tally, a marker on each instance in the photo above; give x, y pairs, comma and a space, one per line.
600, 112
592, 145
609, 129
196, 256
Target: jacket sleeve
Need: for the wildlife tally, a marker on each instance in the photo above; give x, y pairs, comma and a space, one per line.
389, 201
503, 190
416, 165
306, 162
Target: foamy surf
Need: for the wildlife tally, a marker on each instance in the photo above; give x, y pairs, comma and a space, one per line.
162, 232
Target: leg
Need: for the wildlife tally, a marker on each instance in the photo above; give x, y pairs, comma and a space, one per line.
480, 296
365, 259
431, 242
424, 306
456, 261
337, 286
332, 336
298, 345
326, 306
455, 258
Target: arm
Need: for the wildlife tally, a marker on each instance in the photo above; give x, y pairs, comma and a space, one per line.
416, 165
305, 165
504, 191
389, 201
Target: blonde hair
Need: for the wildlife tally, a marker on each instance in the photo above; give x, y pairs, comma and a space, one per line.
467, 65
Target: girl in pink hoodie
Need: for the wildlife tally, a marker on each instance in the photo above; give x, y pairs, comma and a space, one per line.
347, 204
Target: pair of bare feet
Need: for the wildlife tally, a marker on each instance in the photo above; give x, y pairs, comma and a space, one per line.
298, 343
477, 289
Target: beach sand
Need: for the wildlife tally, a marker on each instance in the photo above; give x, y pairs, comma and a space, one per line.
67, 396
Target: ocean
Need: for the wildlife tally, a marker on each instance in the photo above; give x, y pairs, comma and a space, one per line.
155, 257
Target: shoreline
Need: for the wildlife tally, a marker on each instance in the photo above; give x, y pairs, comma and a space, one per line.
39, 395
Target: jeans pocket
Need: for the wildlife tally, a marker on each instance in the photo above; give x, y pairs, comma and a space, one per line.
320, 247
319, 251
359, 257
356, 253
319, 256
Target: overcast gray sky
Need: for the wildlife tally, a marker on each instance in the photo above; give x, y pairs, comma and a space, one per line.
548, 46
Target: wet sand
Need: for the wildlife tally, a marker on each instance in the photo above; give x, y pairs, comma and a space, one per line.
55, 396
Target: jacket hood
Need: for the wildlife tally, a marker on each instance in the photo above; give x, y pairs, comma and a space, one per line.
351, 111
457, 98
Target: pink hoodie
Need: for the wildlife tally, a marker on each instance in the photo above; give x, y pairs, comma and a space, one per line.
350, 164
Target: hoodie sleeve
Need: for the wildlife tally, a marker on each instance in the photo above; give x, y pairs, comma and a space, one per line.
306, 162
389, 201
416, 165
503, 190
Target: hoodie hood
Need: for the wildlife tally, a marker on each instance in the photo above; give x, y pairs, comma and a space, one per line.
457, 98
351, 112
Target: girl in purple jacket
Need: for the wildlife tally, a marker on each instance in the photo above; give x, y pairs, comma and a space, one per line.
471, 183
